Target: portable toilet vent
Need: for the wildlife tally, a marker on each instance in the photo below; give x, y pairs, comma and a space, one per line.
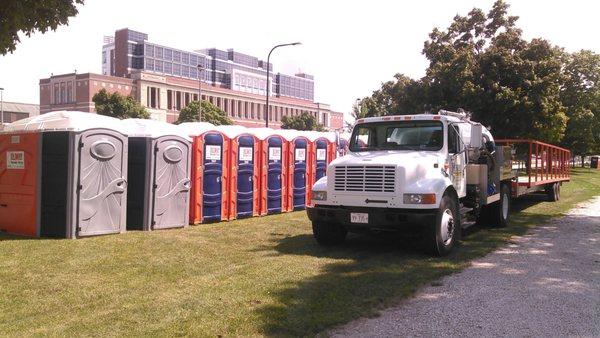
244, 176
210, 174
63, 174
273, 170
300, 164
159, 166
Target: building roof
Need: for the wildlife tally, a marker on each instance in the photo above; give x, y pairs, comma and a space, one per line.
17, 107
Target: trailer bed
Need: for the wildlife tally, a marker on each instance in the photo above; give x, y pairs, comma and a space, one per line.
537, 165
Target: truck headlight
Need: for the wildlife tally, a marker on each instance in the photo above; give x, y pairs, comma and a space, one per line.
419, 198
319, 195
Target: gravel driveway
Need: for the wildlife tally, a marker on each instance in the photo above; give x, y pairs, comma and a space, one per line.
545, 284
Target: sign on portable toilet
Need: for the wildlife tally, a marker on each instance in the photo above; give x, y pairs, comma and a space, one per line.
63, 174
159, 183
210, 174
273, 170
300, 168
244, 176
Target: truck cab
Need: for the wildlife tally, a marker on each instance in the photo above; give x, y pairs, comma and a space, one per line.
426, 172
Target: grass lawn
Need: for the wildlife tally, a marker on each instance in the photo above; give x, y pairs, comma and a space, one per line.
260, 276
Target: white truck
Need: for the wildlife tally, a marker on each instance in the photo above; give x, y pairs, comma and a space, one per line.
431, 171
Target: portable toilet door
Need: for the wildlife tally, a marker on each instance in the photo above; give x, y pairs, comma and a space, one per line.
159, 166
244, 177
300, 169
273, 170
82, 170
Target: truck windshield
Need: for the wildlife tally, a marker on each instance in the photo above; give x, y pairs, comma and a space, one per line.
398, 135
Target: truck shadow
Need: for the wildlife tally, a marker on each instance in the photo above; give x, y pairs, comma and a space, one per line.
366, 273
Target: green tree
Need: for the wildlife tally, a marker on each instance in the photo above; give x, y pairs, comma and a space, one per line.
119, 106
27, 16
581, 97
210, 113
304, 121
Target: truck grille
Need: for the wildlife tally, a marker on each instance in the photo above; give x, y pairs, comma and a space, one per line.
368, 178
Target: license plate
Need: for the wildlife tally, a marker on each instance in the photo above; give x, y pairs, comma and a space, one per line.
359, 217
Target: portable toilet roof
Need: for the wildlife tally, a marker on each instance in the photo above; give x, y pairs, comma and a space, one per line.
314, 135
196, 128
65, 121
289, 134
262, 133
152, 128
232, 131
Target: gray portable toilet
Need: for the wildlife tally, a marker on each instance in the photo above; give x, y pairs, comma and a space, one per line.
159, 166
78, 164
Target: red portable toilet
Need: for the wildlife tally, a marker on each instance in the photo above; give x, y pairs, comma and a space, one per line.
324, 150
63, 174
244, 171
159, 166
300, 168
273, 170
210, 174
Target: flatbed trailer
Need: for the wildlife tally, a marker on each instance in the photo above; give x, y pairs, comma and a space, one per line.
539, 166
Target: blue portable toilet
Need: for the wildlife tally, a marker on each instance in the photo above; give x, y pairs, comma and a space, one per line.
273, 170
210, 174
244, 176
300, 168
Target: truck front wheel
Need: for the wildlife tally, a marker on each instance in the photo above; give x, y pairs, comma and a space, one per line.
445, 231
329, 234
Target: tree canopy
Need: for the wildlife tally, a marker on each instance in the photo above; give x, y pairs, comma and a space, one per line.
303, 121
210, 113
27, 16
119, 106
518, 88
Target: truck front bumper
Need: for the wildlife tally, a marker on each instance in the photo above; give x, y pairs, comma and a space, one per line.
379, 218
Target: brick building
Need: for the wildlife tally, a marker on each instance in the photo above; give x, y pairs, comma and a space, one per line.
164, 80
13, 111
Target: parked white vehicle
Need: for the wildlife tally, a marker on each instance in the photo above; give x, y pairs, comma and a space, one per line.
429, 171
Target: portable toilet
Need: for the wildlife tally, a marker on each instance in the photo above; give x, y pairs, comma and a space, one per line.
300, 168
244, 175
273, 170
210, 174
324, 150
159, 166
63, 174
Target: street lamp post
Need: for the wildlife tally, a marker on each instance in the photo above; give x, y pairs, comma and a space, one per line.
268, 84
200, 69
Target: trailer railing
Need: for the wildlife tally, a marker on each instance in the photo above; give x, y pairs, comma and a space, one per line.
538, 163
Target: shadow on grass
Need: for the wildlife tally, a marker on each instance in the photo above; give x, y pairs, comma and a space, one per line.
368, 274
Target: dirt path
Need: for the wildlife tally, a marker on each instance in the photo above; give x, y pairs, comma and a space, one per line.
545, 283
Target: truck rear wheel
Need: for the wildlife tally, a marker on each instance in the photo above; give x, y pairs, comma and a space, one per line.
499, 212
329, 234
444, 233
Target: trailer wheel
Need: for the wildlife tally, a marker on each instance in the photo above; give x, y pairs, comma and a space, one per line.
328, 234
499, 212
553, 192
445, 232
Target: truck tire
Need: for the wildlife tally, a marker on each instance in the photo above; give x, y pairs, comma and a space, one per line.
328, 234
552, 191
499, 212
445, 232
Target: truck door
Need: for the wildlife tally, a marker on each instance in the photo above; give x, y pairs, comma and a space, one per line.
457, 160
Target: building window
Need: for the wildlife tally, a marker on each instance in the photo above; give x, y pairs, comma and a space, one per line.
225, 105
63, 93
56, 93
178, 99
168, 55
168, 68
158, 52
70, 92
176, 56
239, 111
158, 66
169, 99
149, 50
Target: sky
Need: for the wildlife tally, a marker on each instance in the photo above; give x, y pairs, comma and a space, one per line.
350, 47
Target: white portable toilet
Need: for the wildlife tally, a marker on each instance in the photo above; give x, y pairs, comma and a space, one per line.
159, 168
69, 170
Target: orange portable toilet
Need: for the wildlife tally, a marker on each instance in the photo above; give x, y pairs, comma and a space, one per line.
63, 174
210, 173
244, 172
300, 168
273, 170
324, 150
